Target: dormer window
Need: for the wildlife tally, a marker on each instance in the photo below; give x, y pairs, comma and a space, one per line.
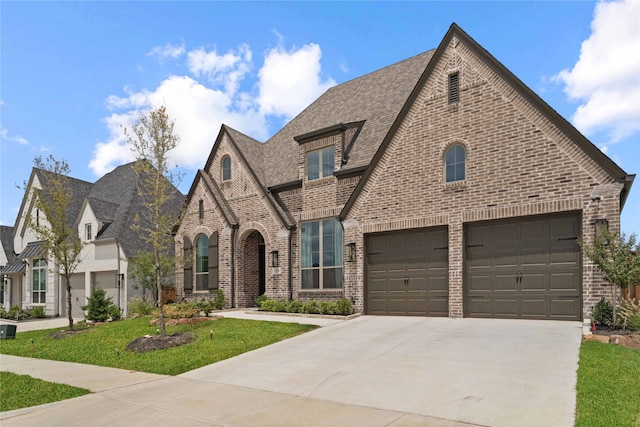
320, 163
88, 232
226, 168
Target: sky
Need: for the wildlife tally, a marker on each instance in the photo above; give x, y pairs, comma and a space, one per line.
72, 74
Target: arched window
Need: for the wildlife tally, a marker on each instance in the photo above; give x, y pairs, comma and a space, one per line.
454, 161
202, 263
226, 168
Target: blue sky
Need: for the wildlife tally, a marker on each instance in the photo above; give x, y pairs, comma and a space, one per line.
71, 73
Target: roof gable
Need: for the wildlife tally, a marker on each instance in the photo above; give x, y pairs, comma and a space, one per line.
562, 124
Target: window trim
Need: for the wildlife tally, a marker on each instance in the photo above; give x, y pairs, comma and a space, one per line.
320, 164
41, 270
204, 274
226, 169
455, 163
321, 268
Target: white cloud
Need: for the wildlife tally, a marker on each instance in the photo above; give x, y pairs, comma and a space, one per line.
227, 69
4, 133
287, 82
606, 78
167, 51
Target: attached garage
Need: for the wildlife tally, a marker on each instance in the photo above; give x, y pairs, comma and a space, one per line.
527, 268
407, 273
77, 296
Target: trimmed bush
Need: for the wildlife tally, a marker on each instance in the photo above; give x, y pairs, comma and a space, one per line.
140, 306
99, 306
38, 312
603, 313
344, 306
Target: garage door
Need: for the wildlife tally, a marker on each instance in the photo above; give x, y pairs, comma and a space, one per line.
407, 273
527, 269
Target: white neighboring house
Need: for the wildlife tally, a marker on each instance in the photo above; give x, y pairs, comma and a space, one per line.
103, 213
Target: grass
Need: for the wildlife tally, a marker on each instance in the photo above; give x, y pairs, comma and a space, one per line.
22, 391
608, 389
104, 345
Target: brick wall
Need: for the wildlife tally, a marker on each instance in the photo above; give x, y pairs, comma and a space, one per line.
518, 164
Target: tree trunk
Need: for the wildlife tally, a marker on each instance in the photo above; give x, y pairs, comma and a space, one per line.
69, 303
163, 330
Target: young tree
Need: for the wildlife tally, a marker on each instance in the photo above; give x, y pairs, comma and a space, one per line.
58, 233
618, 259
152, 138
143, 271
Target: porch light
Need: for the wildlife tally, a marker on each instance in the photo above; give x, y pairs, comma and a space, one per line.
351, 252
274, 259
601, 226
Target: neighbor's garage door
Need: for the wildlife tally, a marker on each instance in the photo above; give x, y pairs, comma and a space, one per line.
529, 268
407, 273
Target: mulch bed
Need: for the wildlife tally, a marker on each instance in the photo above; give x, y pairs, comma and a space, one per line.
158, 342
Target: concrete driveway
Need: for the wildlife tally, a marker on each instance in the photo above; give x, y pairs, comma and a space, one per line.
370, 371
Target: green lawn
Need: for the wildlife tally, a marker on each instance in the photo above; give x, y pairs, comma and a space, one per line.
104, 345
22, 391
608, 386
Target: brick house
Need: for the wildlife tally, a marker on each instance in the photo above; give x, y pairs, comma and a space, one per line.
437, 186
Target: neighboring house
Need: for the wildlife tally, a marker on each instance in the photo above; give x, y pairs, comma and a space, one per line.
7, 257
102, 213
437, 186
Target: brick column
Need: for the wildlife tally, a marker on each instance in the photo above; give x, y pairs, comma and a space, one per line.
455, 265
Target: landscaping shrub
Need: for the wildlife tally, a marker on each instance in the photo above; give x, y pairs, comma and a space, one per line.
260, 299
311, 307
628, 313
99, 306
219, 302
603, 313
206, 306
344, 306
140, 306
38, 312
115, 313
294, 307
15, 313
181, 310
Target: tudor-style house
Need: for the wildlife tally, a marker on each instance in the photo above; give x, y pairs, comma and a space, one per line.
103, 213
437, 186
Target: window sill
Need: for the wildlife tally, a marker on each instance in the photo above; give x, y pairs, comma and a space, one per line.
336, 290
319, 181
455, 185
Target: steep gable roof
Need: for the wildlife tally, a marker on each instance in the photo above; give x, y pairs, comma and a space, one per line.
375, 98
560, 122
6, 239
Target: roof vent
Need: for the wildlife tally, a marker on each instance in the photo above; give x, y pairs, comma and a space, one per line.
454, 88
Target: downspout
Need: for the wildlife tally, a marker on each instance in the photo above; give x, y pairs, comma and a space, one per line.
234, 227
119, 277
291, 229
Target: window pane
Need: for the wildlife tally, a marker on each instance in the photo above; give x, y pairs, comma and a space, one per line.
331, 243
327, 161
202, 254
313, 165
460, 172
226, 168
332, 278
450, 157
459, 150
310, 279
451, 173
310, 244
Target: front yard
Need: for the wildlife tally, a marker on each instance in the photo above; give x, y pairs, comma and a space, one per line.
104, 345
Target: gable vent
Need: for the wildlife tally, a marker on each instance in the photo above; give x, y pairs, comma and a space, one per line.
454, 88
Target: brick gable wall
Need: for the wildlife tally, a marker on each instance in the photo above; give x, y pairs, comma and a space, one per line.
517, 164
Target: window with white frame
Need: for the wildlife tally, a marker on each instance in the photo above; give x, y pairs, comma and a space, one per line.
39, 281
321, 254
320, 163
202, 263
455, 163
88, 232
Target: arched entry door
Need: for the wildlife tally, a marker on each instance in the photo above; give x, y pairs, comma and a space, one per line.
253, 280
